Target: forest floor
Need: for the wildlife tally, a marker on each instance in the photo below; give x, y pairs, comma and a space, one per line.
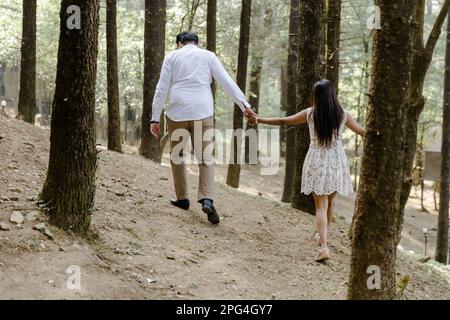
147, 249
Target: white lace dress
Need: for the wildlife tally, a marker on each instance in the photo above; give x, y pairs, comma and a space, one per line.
326, 170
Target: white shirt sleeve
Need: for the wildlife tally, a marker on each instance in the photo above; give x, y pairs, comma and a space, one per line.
162, 89
228, 84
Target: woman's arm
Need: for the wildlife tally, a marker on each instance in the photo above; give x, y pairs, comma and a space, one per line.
295, 119
354, 126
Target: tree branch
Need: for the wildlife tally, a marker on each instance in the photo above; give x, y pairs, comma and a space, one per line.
437, 29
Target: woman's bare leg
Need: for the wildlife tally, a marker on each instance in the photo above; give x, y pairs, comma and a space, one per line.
330, 210
322, 218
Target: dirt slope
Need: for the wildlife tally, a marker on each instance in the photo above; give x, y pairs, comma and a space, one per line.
149, 250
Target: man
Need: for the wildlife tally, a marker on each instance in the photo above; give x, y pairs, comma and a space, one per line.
186, 77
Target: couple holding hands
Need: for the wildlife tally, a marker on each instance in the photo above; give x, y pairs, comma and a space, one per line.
186, 77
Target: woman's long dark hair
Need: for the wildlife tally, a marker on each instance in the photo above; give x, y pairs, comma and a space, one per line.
327, 112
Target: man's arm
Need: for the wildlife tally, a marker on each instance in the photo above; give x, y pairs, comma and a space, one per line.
162, 89
229, 85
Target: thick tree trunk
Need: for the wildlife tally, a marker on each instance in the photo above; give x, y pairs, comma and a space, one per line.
442, 233
377, 207
311, 68
291, 97
154, 49
211, 35
422, 56
114, 134
333, 41
70, 185
27, 94
234, 169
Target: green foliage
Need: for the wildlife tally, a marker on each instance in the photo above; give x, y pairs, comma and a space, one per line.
272, 44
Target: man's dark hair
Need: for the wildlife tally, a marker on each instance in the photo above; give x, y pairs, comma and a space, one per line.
187, 37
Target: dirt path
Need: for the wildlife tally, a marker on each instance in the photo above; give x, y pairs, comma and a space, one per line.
147, 249
271, 187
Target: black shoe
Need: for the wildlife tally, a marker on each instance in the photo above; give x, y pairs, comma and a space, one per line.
182, 204
208, 208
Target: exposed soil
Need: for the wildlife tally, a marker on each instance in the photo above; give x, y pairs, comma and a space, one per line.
147, 249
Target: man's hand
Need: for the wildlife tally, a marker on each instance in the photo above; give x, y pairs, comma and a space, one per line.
252, 120
154, 129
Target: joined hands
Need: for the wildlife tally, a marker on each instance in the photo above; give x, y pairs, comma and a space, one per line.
251, 117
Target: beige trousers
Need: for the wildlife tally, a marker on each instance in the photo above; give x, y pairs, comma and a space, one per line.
202, 138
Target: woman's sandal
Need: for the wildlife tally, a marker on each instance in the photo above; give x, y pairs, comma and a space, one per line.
323, 255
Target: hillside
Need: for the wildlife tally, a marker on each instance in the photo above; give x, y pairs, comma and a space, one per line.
147, 249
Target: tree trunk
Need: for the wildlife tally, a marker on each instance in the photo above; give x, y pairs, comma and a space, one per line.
311, 68
193, 12
333, 41
291, 101
255, 91
257, 62
27, 94
70, 185
154, 47
361, 105
283, 108
442, 228
114, 135
211, 35
377, 206
234, 169
422, 56
255, 82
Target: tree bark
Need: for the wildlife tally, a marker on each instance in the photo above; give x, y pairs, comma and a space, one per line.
377, 205
154, 49
283, 108
333, 41
70, 185
444, 194
311, 68
27, 94
291, 101
114, 134
234, 169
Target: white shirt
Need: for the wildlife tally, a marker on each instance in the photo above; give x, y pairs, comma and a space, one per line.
186, 76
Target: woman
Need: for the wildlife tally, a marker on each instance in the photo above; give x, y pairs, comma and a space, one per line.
325, 170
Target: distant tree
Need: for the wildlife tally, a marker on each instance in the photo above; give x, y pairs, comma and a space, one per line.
375, 230
291, 101
211, 32
333, 41
311, 68
114, 134
234, 169
444, 194
192, 7
70, 185
27, 94
154, 49
259, 34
